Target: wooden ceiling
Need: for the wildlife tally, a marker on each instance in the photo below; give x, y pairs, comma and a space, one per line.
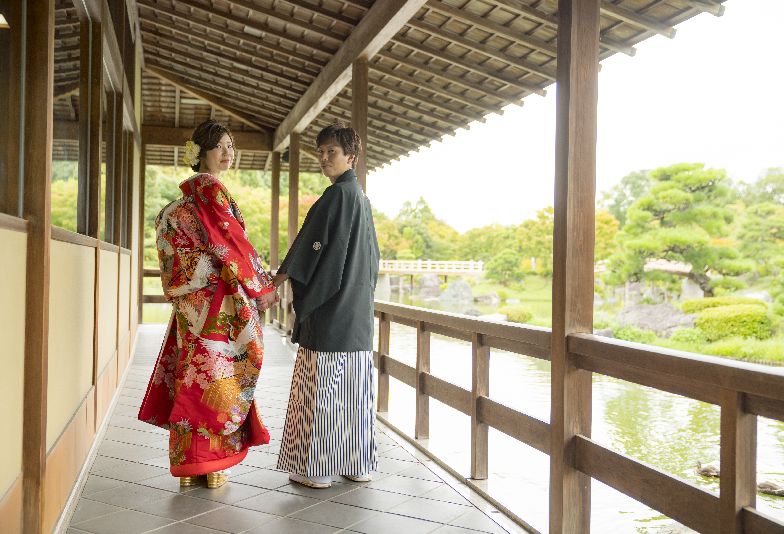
249, 62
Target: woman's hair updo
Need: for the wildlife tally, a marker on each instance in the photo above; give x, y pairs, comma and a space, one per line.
207, 135
346, 136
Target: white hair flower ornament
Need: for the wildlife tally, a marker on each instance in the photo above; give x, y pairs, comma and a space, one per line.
190, 156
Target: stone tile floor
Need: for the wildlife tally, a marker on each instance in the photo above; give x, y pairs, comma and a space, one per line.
129, 489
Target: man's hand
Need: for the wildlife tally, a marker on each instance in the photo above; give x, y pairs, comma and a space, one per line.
279, 279
267, 301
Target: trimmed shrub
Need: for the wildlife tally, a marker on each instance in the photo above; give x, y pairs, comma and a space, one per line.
516, 314
697, 305
632, 333
689, 335
739, 320
748, 349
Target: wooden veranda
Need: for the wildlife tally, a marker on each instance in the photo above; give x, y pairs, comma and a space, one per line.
116, 85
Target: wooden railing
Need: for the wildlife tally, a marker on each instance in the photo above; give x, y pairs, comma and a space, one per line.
743, 392
430, 267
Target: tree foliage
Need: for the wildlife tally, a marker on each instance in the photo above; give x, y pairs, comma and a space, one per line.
620, 197
682, 218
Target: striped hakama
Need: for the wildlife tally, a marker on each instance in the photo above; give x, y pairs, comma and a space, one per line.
330, 422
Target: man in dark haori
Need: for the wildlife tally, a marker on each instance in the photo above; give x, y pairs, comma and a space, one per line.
332, 266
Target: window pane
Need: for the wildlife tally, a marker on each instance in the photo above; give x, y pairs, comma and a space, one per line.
9, 107
65, 148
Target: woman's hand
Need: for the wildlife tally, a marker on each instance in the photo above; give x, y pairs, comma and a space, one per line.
267, 301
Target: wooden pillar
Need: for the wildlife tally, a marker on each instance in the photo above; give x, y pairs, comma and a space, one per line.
293, 187
359, 114
480, 387
38, 131
140, 265
738, 485
422, 424
95, 119
274, 259
573, 248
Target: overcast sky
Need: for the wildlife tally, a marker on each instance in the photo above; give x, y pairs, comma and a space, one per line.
712, 94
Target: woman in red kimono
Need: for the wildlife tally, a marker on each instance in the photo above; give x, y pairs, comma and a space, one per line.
203, 382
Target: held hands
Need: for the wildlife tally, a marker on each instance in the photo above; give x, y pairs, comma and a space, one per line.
267, 301
279, 279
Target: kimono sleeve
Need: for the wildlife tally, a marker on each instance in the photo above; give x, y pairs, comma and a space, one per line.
228, 240
318, 255
313, 240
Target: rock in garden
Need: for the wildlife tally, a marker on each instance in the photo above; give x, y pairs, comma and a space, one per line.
662, 319
457, 291
429, 286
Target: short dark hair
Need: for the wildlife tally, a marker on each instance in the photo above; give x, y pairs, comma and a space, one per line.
346, 136
207, 135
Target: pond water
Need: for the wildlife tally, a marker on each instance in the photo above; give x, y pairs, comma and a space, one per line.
667, 431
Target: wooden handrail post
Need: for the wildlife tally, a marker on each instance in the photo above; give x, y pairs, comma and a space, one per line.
480, 387
383, 352
573, 251
738, 461
422, 424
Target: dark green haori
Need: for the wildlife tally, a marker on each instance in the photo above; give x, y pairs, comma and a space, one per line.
333, 266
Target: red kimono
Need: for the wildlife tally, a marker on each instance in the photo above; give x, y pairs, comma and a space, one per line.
203, 382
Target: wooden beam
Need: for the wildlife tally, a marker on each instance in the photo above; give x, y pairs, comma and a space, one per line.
250, 57
359, 115
573, 251
428, 100
290, 21
449, 77
38, 135
384, 114
274, 259
170, 136
545, 71
195, 25
229, 89
499, 29
182, 83
186, 60
263, 29
635, 19
376, 28
293, 222
708, 6
333, 15
471, 66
